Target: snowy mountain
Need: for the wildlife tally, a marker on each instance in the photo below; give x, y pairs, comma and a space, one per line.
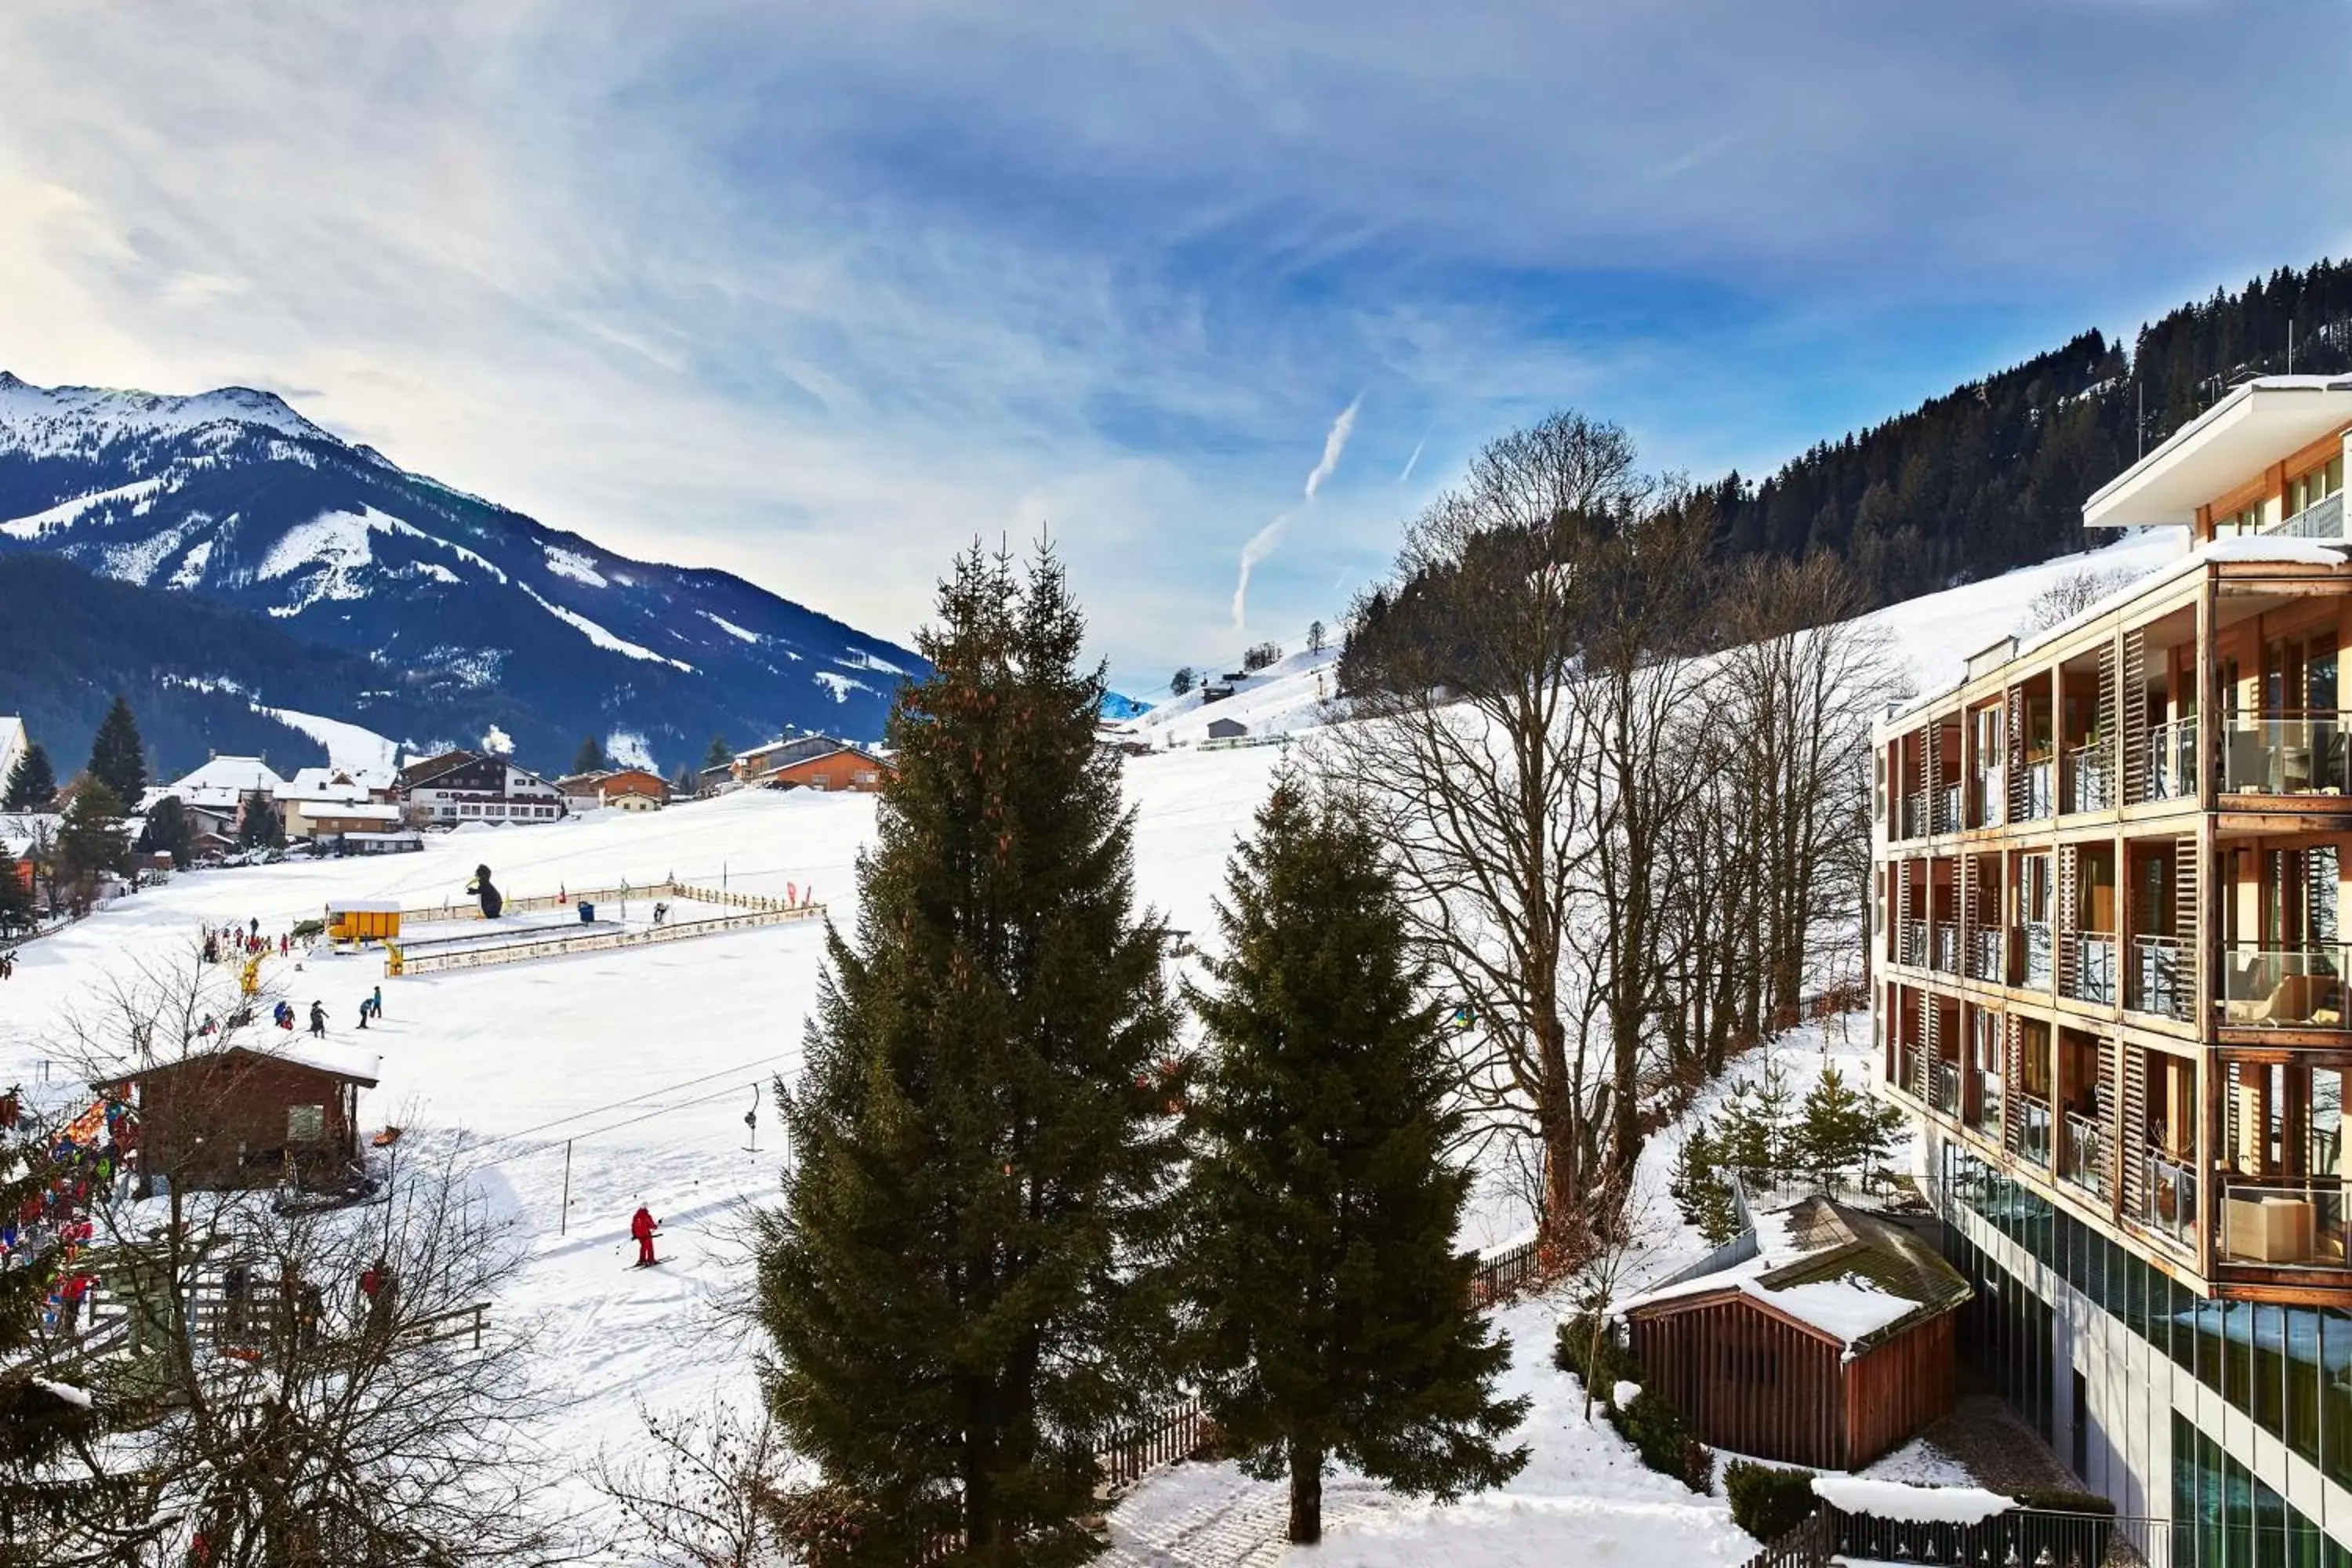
233, 496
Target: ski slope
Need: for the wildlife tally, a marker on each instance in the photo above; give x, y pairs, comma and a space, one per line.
645, 1061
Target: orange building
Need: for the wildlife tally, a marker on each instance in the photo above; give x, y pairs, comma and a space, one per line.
846, 768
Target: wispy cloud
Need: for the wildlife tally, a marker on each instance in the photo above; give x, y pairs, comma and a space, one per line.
1261, 543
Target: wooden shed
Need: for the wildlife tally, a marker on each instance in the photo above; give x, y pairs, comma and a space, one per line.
239, 1116
363, 920
1829, 1347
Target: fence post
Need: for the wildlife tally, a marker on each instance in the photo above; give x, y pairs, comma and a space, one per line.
563, 1220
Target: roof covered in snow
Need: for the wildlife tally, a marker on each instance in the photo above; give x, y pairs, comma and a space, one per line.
224, 780
357, 1067
1847, 1276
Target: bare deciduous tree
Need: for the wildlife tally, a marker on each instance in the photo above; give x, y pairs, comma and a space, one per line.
707, 1496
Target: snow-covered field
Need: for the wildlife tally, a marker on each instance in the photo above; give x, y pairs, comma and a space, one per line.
645, 1061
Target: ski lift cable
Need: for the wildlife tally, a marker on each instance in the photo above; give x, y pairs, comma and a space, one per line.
624, 1104
727, 1093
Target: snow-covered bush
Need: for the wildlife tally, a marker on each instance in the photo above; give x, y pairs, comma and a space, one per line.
1768, 1501
1664, 1439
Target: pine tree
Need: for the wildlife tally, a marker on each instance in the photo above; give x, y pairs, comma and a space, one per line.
32, 782
1700, 1190
1179, 683
719, 755
259, 824
15, 897
168, 831
1335, 1313
92, 840
42, 1410
961, 1290
117, 758
590, 758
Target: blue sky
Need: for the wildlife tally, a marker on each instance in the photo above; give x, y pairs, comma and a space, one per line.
818, 292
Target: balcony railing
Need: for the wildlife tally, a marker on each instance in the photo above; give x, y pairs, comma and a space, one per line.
1991, 797
2295, 752
2298, 1223
2090, 778
2273, 987
2038, 950
1985, 945
1915, 943
2093, 976
2034, 1130
1907, 1068
1946, 806
2172, 760
2041, 796
2162, 980
1944, 1087
1915, 815
1944, 947
2323, 519
1988, 1116
2167, 1204
2083, 1158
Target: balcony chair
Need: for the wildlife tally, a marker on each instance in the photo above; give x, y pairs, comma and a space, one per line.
2296, 999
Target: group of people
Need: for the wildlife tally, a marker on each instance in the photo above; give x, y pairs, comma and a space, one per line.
59, 1215
228, 943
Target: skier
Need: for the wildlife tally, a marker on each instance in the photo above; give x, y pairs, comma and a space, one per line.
364, 1012
318, 1020
375, 1004
642, 1226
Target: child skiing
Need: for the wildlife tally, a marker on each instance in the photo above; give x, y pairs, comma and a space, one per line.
318, 1020
642, 1226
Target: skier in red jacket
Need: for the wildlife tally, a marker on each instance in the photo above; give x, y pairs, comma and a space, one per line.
641, 1226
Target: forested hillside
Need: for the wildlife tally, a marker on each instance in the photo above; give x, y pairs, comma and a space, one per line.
1993, 475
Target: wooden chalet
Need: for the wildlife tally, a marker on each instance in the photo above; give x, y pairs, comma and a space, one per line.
242, 1116
1830, 1345
843, 768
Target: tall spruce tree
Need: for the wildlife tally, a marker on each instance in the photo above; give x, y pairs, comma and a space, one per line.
962, 1291
117, 756
590, 758
32, 782
168, 830
720, 753
1334, 1313
91, 840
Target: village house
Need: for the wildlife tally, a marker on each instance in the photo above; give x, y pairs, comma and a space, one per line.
473, 786
241, 1116
633, 789
321, 803
1227, 729
761, 764
841, 768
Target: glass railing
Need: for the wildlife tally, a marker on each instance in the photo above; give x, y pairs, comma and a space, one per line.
1944, 1087
2323, 519
2094, 969
2040, 791
2167, 1204
2038, 949
1906, 1069
2172, 761
1991, 799
1985, 945
2296, 752
1946, 809
2090, 778
2161, 980
2267, 986
2034, 1130
1988, 1116
2083, 1159
2301, 1222
1944, 948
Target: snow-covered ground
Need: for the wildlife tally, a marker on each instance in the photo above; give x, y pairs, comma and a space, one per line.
645, 1060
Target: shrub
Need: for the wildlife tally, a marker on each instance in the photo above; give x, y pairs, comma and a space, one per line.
1662, 1438
305, 930
1766, 1500
2060, 1500
1573, 1344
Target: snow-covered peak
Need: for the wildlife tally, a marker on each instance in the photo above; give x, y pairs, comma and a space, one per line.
61, 419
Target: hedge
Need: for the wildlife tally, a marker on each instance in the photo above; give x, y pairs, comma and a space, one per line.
1662, 1438
1768, 1501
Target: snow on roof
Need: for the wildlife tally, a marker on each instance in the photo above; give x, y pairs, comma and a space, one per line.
351, 810
224, 779
362, 907
331, 784
364, 1067
1898, 1500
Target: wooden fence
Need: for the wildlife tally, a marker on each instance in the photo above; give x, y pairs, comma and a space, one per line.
1807, 1546
527, 903
1524, 1268
1164, 1438
396, 962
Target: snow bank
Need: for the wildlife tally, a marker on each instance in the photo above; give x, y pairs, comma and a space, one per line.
1921, 1505
1624, 1393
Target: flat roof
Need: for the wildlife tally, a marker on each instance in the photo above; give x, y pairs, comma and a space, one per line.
2255, 424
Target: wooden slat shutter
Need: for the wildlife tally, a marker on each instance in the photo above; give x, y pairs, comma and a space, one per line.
2133, 1135
1967, 912
2013, 1077
2187, 906
1931, 748
2110, 718
1900, 946
2106, 1113
2068, 919
2013, 757
2135, 717
1931, 1035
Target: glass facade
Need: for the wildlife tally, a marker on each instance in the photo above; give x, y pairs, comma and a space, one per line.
2224, 1516
2289, 1368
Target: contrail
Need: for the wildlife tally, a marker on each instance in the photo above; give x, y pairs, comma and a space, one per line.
1261, 543
1409, 462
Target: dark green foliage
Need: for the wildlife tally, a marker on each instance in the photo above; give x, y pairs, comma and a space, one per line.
590, 758
2062, 1500
1700, 1189
1261, 655
260, 825
16, 898
1664, 1439
719, 754
169, 831
1333, 1311
91, 840
965, 1289
1573, 1346
1755, 1133
1768, 1501
116, 756
32, 782
1182, 681
1839, 1128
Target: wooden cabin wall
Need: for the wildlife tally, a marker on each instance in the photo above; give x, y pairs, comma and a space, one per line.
1896, 1389
1747, 1381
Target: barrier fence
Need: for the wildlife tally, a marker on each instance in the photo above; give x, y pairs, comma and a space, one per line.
397, 963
